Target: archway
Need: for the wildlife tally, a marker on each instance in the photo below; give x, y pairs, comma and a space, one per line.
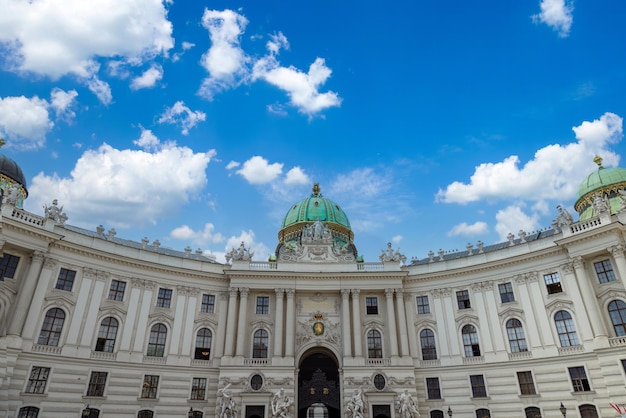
319, 385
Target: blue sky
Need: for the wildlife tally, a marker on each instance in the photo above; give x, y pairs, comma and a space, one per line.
433, 124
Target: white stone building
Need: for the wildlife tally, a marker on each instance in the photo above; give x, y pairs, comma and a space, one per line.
95, 325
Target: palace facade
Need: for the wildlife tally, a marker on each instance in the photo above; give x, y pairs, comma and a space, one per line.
95, 325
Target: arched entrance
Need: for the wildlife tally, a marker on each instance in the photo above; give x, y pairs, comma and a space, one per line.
319, 394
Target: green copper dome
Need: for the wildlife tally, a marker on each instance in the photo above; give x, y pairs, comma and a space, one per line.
606, 182
313, 208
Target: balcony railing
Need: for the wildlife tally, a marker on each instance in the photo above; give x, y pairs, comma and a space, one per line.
378, 361
257, 362
575, 349
48, 349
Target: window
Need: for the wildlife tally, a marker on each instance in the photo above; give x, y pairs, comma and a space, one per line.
436, 414
483, 413
427, 341
553, 283
580, 383
204, 338
29, 412
8, 266
624, 365
262, 305
256, 382
588, 411
565, 329
116, 291
479, 390
37, 380
65, 281
422, 305
371, 305
164, 299
506, 292
432, 388
198, 389
91, 412
379, 382
374, 344
97, 383
515, 332
463, 300
156, 343
107, 335
617, 312
604, 271
145, 413
260, 343
150, 386
532, 412
52, 327
470, 341
208, 304
526, 383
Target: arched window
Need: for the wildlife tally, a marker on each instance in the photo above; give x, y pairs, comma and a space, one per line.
588, 411
374, 344
470, 341
617, 311
436, 414
52, 327
260, 344
483, 413
28, 412
145, 413
565, 328
156, 343
516, 335
91, 412
427, 341
532, 412
107, 335
203, 344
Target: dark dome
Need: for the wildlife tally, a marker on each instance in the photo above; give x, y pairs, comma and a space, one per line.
10, 169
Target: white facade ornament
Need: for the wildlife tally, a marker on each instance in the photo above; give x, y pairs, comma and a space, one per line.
226, 406
281, 404
563, 218
12, 195
354, 407
522, 236
600, 204
54, 212
511, 239
239, 254
389, 255
317, 245
407, 407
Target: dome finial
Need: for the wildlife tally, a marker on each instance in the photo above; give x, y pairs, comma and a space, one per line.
598, 161
316, 189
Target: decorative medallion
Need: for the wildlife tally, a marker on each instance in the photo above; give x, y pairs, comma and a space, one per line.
318, 325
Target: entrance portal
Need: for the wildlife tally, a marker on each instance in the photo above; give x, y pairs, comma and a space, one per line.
318, 386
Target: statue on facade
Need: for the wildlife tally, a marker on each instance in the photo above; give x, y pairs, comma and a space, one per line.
407, 407
239, 254
55, 212
226, 406
563, 218
355, 406
390, 255
316, 233
280, 404
600, 204
11, 195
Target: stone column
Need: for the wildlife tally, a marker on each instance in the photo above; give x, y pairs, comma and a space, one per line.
25, 294
356, 324
221, 325
617, 252
345, 319
391, 322
534, 339
588, 295
241, 323
34, 312
278, 329
402, 328
409, 306
231, 327
291, 323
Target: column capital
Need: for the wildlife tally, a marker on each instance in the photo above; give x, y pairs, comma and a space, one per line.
38, 256
355, 292
232, 291
578, 262
568, 268
290, 293
389, 293
244, 291
279, 292
345, 293
617, 251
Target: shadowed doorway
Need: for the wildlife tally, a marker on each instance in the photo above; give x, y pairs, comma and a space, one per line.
318, 386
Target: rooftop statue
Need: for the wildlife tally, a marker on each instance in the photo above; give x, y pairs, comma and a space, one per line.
390, 255
239, 254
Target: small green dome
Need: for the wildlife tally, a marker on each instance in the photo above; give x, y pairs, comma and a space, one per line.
313, 208
606, 182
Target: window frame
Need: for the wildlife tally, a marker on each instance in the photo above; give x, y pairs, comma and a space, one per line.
423, 304
262, 305
164, 298
553, 283
28, 412
526, 383
65, 280
516, 336
8, 266
97, 384
617, 311
198, 389
200, 347
117, 290
52, 327
471, 342
107, 335
579, 380
371, 305
604, 271
374, 344
429, 350
478, 385
433, 388
145, 413
207, 305
566, 329
38, 378
157, 340
260, 343
150, 386
506, 292
463, 299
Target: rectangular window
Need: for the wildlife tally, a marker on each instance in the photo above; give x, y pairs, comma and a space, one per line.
553, 283
580, 383
97, 382
150, 386
463, 300
198, 388
479, 390
262, 305
506, 292
422, 305
164, 299
432, 388
604, 270
65, 281
624, 365
37, 380
208, 304
8, 266
116, 291
371, 305
526, 384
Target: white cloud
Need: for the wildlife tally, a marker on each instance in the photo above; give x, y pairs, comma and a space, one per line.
296, 176
225, 61
257, 170
466, 229
277, 42
187, 45
147, 140
101, 89
24, 122
148, 79
363, 182
181, 115
397, 238
54, 39
555, 172
61, 101
202, 237
232, 164
140, 186
512, 219
557, 14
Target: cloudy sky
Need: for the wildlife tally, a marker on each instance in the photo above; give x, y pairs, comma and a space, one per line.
433, 124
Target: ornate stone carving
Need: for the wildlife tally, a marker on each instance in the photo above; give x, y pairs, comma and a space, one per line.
617, 251
320, 329
55, 212
389, 255
239, 254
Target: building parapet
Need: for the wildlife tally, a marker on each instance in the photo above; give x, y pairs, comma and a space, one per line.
256, 362
617, 341
575, 349
378, 362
